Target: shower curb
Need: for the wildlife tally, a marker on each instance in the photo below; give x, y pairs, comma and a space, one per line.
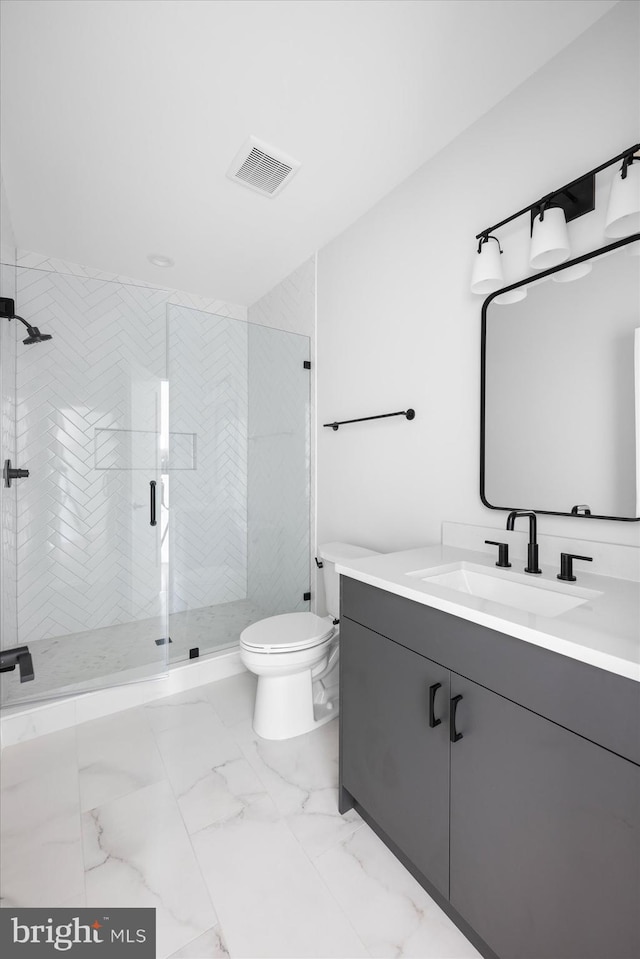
21, 723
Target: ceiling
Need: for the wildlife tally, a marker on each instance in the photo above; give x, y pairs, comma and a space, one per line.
120, 119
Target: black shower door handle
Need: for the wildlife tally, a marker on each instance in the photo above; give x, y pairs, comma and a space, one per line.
152, 503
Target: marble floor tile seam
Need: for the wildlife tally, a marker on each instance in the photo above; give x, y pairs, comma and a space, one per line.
286, 820
174, 792
278, 816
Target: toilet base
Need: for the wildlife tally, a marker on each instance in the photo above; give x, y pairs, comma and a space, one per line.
284, 706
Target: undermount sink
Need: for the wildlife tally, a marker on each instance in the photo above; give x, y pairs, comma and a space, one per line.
510, 589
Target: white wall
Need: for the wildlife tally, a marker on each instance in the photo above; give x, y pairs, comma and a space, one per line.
397, 326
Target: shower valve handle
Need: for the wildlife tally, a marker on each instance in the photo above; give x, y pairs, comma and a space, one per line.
10, 473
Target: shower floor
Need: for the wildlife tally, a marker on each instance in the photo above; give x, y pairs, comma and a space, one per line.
80, 662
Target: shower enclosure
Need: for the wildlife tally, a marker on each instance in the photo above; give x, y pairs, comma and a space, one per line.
167, 503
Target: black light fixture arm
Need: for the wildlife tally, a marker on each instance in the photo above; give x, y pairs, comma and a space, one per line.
627, 156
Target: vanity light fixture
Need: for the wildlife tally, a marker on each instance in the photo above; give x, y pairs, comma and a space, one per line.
487, 268
549, 217
623, 212
549, 238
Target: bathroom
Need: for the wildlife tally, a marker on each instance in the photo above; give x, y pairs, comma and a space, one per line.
132, 774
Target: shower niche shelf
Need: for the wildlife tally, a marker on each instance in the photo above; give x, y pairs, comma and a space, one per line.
140, 450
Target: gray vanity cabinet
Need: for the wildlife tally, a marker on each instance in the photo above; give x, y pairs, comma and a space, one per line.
544, 860
525, 832
398, 766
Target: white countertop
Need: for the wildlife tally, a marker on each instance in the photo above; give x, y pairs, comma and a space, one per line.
604, 631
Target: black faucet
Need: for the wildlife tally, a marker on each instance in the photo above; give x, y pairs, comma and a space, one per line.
532, 548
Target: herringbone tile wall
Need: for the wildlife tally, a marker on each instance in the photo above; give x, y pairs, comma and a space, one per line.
208, 508
210, 304
87, 557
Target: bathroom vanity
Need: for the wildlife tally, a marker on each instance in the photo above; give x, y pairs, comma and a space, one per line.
496, 750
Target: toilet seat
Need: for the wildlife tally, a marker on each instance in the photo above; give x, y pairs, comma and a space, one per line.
287, 633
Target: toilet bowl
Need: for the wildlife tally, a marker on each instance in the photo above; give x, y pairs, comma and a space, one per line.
295, 657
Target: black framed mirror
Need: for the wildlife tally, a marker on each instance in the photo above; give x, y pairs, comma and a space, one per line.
560, 389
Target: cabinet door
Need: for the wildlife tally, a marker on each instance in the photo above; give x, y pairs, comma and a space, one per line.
393, 763
544, 835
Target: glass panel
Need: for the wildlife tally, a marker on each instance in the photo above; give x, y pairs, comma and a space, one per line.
239, 520
278, 471
91, 574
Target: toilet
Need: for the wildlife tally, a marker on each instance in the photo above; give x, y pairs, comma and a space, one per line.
295, 657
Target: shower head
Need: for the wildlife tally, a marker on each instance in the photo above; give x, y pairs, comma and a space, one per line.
7, 310
35, 336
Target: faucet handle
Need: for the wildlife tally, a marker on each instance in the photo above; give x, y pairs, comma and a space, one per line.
503, 552
566, 566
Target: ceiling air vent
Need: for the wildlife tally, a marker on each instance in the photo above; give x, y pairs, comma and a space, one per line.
262, 168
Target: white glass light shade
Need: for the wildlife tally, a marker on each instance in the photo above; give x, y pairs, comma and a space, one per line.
623, 212
633, 249
487, 268
511, 296
549, 240
572, 273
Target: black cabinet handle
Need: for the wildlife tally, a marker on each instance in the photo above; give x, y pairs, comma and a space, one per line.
152, 503
433, 722
453, 705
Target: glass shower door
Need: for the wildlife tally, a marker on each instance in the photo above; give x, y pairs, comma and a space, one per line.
91, 569
240, 477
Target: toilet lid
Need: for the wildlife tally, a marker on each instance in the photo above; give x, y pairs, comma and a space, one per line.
287, 633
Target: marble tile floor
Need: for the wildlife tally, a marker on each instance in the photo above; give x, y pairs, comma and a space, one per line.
79, 662
236, 841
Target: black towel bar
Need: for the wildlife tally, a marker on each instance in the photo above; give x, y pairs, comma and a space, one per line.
410, 415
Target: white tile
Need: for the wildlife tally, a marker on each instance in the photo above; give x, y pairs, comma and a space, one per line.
292, 768
137, 853
116, 755
222, 793
210, 945
270, 900
210, 777
40, 823
234, 698
192, 706
22, 724
301, 775
318, 825
390, 911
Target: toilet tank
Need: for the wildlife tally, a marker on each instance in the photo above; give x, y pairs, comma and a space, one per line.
330, 554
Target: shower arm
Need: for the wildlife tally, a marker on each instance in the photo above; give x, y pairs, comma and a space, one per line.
33, 330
